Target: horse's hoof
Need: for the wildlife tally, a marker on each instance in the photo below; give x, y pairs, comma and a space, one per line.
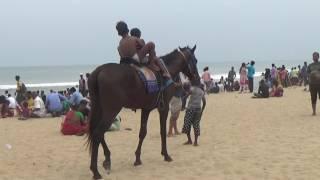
107, 166
167, 158
97, 177
137, 163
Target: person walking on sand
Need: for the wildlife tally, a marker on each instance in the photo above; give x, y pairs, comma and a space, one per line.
194, 112
314, 78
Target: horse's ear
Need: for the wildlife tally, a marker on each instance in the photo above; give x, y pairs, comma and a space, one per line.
194, 48
180, 48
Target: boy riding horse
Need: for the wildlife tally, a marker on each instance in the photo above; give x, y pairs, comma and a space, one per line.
135, 48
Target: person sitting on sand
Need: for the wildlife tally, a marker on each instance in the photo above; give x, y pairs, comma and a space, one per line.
74, 123
30, 101
24, 112
215, 88
39, 109
115, 126
4, 106
54, 103
277, 89
12, 104
263, 91
75, 97
194, 112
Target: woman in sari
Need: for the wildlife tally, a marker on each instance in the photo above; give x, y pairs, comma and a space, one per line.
74, 123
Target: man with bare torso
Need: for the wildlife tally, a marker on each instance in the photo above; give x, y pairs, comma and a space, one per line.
135, 48
313, 71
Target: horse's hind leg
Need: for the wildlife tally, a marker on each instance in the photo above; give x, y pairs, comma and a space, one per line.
107, 154
94, 155
108, 118
142, 134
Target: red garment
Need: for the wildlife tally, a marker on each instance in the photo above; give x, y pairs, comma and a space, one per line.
68, 128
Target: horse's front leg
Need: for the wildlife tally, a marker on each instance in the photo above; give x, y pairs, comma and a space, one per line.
163, 131
142, 134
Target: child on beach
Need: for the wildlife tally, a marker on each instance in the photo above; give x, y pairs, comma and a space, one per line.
194, 112
24, 111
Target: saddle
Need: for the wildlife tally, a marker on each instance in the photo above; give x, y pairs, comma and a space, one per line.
152, 79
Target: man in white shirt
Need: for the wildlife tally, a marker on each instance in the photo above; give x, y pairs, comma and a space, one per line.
39, 107
12, 102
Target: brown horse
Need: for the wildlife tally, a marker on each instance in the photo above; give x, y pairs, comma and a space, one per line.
114, 86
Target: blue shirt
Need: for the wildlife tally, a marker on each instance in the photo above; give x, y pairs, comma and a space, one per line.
251, 71
53, 102
75, 98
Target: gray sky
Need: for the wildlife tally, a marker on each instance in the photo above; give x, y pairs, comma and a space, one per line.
47, 32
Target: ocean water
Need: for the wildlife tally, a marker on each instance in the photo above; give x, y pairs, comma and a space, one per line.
60, 77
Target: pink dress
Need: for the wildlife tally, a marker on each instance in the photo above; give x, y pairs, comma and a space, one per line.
243, 76
206, 76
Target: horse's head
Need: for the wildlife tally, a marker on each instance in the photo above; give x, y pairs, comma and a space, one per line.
190, 69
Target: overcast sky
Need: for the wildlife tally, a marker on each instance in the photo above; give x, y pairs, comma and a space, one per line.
48, 32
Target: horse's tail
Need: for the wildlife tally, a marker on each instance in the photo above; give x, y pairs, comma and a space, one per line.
96, 111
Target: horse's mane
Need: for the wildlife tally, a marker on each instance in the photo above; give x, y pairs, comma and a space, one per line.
166, 58
171, 56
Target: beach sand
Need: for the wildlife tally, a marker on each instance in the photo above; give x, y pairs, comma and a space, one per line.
241, 139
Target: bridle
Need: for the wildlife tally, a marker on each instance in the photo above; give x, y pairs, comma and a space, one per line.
187, 62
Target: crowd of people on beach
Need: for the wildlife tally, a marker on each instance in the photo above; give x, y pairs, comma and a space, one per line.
72, 103
274, 79
37, 104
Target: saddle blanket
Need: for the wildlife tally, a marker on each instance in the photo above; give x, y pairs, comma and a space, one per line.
148, 77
